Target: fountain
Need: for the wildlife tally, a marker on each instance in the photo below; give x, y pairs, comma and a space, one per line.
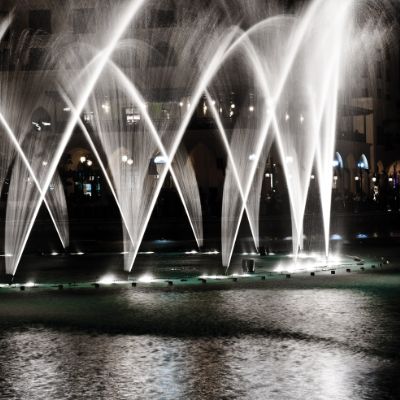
138, 96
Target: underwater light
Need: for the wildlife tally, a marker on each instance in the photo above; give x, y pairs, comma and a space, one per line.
107, 279
191, 252
146, 278
212, 252
243, 275
212, 277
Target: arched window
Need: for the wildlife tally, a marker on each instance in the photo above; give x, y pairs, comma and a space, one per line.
338, 161
363, 162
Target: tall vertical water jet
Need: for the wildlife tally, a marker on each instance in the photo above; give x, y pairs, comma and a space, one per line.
356, 32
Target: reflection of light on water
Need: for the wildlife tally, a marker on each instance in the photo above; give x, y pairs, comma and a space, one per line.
54, 253
30, 284
304, 256
309, 262
6, 255
212, 277
362, 236
107, 279
191, 252
146, 278
211, 252
236, 275
146, 252
78, 253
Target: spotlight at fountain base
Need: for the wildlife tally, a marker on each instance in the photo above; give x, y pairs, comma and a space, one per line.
312, 262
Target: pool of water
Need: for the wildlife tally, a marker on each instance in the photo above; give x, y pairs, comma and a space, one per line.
288, 341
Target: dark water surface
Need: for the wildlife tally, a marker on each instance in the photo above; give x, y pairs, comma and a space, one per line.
272, 342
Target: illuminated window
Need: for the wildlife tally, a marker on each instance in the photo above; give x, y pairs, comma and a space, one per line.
88, 117
131, 116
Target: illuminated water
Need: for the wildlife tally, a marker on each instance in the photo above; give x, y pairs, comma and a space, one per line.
283, 343
290, 84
